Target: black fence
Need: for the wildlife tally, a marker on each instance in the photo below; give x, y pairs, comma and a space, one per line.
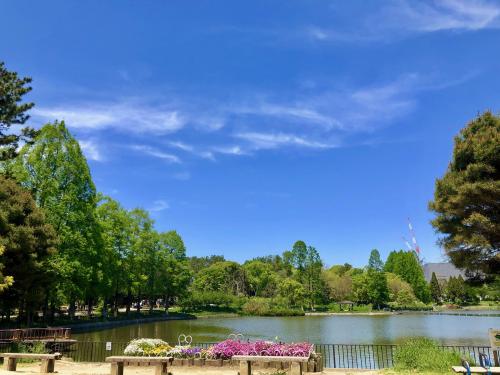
334, 355
380, 356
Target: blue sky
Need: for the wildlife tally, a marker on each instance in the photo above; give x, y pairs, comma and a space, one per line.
248, 125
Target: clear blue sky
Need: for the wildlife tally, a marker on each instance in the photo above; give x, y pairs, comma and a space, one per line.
248, 125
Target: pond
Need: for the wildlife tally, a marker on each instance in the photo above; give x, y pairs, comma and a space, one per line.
337, 329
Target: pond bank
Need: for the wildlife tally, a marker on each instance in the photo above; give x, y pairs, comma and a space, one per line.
96, 326
378, 313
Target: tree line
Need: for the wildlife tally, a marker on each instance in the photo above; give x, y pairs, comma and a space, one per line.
64, 243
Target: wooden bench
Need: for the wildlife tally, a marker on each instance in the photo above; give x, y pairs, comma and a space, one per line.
160, 363
296, 363
476, 370
47, 365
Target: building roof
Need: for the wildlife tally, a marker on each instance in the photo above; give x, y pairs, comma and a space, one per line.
443, 271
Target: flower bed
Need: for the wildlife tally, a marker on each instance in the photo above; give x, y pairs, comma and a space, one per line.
223, 350
226, 349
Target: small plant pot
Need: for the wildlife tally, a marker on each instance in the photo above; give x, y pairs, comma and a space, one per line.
199, 361
213, 362
190, 361
177, 362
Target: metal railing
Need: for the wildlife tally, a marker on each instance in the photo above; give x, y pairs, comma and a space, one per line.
34, 334
361, 356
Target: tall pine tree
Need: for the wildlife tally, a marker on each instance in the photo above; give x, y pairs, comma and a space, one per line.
13, 112
435, 289
467, 198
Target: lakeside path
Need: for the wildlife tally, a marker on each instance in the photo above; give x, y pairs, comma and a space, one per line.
85, 368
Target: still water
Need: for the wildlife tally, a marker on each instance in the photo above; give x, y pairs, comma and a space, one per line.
348, 329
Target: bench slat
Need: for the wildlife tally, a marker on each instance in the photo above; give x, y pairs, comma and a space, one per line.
268, 358
30, 355
138, 359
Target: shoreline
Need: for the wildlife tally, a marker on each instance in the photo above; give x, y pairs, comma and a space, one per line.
409, 312
378, 313
97, 326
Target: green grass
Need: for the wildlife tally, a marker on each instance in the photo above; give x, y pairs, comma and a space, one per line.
413, 372
421, 354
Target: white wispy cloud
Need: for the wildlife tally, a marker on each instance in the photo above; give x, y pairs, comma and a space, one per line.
181, 146
91, 150
319, 119
124, 116
400, 18
274, 140
159, 205
230, 150
152, 151
299, 112
444, 15
192, 150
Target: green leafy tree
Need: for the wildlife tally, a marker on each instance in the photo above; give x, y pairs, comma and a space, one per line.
467, 198
298, 258
312, 280
199, 263
435, 289
400, 290
293, 292
378, 290
174, 272
26, 243
5, 281
224, 276
339, 284
371, 287
406, 265
54, 169
456, 290
13, 112
117, 234
261, 278
145, 257
375, 262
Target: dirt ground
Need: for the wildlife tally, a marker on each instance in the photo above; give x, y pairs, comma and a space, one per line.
80, 368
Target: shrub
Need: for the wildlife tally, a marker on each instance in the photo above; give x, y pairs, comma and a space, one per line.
266, 307
423, 354
35, 347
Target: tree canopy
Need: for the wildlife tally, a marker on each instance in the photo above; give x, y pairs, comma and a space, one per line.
13, 112
406, 265
26, 243
467, 198
55, 170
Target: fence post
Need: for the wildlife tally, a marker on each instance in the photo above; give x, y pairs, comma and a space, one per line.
333, 353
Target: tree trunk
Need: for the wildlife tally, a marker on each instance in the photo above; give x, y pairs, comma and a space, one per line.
89, 307
115, 305
129, 302
104, 312
52, 311
45, 309
166, 304
71, 309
